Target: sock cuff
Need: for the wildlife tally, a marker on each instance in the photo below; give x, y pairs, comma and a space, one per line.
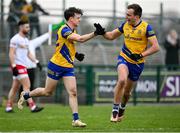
115, 107
122, 107
31, 104
9, 103
75, 116
26, 95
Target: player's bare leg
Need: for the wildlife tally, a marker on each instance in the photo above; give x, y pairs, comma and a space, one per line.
26, 88
47, 91
119, 90
127, 93
70, 85
12, 93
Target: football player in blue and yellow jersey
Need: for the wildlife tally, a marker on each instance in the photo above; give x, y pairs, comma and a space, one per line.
61, 65
137, 34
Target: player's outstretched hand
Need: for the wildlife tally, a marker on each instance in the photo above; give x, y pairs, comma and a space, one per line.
136, 57
79, 56
99, 29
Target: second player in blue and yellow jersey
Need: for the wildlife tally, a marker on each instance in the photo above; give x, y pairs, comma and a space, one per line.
135, 39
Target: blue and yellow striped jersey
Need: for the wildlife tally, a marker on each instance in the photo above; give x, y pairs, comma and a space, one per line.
65, 50
135, 39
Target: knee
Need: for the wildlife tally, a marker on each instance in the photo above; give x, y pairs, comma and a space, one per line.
121, 82
73, 92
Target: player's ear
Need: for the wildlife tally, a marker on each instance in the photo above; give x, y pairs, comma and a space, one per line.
70, 18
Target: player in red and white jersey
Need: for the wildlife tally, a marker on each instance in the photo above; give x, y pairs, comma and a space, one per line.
19, 55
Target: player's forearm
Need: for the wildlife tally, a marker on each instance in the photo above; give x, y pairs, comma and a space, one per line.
86, 37
32, 58
12, 59
12, 56
153, 49
108, 36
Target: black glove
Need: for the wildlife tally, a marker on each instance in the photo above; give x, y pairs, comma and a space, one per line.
136, 57
79, 56
15, 71
99, 29
39, 66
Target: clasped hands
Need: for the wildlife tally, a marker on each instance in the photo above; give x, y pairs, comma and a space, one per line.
99, 29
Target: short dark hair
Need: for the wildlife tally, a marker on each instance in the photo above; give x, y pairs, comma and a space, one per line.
70, 12
137, 9
23, 20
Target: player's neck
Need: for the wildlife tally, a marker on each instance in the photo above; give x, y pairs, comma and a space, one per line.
71, 25
137, 23
22, 34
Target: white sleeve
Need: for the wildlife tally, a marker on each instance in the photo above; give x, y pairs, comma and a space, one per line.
13, 42
39, 40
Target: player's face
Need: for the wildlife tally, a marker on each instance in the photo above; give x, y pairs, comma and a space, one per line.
130, 17
76, 19
173, 34
25, 29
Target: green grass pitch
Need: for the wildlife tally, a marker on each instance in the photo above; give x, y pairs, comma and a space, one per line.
57, 118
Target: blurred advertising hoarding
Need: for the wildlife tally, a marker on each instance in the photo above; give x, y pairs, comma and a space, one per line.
145, 88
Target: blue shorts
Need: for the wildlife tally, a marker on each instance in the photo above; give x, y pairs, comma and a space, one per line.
135, 70
56, 72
